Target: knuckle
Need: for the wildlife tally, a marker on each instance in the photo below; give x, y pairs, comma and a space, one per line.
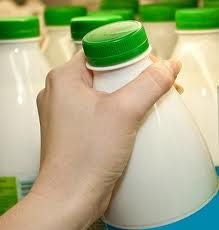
162, 76
52, 76
123, 108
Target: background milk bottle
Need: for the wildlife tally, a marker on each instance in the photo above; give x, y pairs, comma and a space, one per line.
23, 70
169, 154
197, 48
82, 25
58, 46
159, 23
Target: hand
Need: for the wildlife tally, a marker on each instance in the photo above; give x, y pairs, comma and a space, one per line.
88, 136
87, 140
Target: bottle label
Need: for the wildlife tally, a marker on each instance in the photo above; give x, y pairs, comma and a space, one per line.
13, 189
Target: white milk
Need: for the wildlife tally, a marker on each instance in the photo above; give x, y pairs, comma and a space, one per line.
58, 46
23, 71
162, 36
198, 52
170, 174
160, 27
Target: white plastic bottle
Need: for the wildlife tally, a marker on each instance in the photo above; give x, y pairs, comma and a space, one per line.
23, 70
58, 46
159, 23
80, 26
170, 174
197, 48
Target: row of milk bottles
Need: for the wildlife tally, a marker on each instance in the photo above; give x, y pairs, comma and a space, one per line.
170, 153
24, 66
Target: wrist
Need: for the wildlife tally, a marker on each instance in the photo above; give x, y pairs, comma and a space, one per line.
66, 215
78, 208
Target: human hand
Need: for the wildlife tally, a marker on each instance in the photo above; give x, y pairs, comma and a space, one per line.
88, 136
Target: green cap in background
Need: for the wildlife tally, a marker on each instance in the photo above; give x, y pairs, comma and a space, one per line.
158, 12
115, 43
119, 4
62, 15
125, 14
186, 3
82, 25
19, 28
211, 3
161, 12
197, 19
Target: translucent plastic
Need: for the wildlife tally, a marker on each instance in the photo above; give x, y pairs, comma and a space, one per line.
170, 174
58, 46
23, 71
198, 52
162, 37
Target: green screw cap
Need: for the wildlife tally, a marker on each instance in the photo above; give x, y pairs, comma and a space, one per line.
82, 25
160, 12
186, 3
19, 28
157, 12
125, 14
197, 19
211, 3
119, 4
62, 15
115, 43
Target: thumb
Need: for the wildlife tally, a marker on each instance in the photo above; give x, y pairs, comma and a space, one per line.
140, 95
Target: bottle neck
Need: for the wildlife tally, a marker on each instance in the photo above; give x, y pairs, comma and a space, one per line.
20, 43
197, 37
58, 30
110, 80
198, 33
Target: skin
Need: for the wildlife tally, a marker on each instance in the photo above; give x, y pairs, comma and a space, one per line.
87, 140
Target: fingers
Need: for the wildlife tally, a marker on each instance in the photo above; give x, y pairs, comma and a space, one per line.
139, 95
79, 57
73, 71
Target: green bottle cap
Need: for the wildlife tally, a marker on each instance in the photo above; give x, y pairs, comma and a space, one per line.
186, 3
19, 28
115, 43
82, 25
197, 19
119, 4
62, 15
160, 12
211, 3
157, 12
125, 14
